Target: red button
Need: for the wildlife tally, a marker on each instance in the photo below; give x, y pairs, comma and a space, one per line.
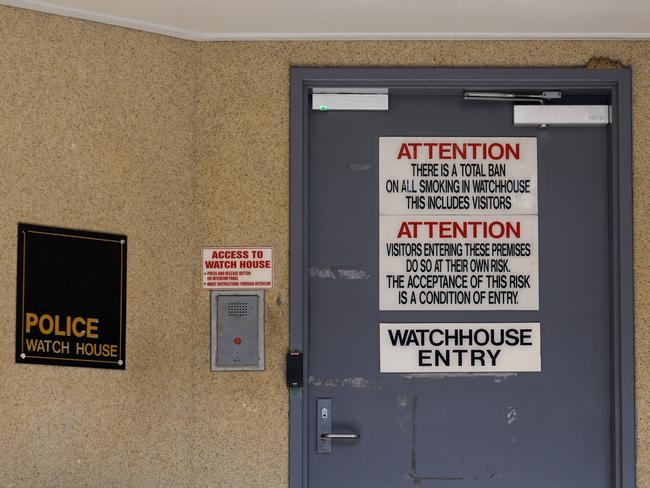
237, 340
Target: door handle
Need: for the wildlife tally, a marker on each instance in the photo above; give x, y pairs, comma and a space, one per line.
336, 436
324, 434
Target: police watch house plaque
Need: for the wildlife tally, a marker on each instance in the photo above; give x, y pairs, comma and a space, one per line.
71, 297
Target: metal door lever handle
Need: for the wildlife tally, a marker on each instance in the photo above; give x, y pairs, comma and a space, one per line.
340, 436
324, 435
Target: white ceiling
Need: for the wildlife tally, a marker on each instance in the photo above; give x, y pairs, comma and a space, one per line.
364, 19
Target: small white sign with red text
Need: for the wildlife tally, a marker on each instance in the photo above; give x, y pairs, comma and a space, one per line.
237, 268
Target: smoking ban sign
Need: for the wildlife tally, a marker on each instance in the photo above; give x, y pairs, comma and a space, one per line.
457, 175
231, 268
458, 224
457, 348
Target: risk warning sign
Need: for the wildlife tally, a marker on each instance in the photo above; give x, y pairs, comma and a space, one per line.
457, 348
232, 268
451, 263
458, 224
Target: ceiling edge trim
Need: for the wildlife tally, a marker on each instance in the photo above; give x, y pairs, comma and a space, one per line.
100, 18
318, 36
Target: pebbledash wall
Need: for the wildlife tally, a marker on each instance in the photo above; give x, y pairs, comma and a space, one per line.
181, 145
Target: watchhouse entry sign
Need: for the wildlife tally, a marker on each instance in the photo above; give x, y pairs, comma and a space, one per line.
458, 223
459, 348
71, 297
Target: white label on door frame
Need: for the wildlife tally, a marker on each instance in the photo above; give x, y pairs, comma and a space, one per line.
458, 348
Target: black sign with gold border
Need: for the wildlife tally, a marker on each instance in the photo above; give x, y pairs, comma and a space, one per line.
71, 298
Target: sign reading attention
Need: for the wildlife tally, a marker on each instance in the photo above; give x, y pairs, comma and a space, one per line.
71, 297
458, 223
232, 268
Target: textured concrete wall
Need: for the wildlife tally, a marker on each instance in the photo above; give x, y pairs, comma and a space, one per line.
182, 145
97, 132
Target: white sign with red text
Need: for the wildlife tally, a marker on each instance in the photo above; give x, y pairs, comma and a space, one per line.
457, 175
446, 262
237, 268
458, 224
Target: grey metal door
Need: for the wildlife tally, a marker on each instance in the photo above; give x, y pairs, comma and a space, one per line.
556, 428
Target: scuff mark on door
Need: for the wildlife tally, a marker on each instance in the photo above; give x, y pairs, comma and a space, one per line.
359, 167
417, 480
414, 411
351, 382
498, 377
338, 273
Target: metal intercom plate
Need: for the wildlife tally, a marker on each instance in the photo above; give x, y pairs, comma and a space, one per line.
237, 323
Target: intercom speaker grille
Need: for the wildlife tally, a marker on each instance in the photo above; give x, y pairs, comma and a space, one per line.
237, 309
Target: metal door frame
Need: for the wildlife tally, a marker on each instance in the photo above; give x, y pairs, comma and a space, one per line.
615, 81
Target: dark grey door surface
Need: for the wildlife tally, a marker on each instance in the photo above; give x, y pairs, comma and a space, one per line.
552, 429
